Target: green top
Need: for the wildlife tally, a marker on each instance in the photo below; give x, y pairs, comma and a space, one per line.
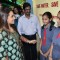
9, 46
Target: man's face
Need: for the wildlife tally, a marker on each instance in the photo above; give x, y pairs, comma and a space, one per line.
27, 10
15, 10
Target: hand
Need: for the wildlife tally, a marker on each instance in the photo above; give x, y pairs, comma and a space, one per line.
32, 42
46, 54
43, 54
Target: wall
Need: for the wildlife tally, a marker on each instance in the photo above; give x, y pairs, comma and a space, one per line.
41, 6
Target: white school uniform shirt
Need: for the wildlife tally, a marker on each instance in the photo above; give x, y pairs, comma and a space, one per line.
29, 26
17, 16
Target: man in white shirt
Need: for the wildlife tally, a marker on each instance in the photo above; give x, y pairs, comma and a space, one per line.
28, 26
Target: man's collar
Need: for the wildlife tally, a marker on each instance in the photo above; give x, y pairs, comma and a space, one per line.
25, 16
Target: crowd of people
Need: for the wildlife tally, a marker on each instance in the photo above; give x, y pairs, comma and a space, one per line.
18, 35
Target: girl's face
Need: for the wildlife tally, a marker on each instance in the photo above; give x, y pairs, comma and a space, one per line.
46, 20
58, 19
11, 18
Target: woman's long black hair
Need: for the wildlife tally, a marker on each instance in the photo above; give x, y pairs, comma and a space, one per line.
49, 15
6, 11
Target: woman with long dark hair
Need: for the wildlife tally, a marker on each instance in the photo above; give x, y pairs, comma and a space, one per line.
13, 43
3, 37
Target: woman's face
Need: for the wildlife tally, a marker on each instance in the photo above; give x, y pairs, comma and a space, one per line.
11, 18
45, 19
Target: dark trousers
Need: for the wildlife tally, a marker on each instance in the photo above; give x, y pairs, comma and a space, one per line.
30, 50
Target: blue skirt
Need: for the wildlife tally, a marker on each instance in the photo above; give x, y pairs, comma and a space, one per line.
56, 52
43, 58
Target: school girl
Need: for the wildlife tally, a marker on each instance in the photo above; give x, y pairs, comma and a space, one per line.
46, 35
55, 48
